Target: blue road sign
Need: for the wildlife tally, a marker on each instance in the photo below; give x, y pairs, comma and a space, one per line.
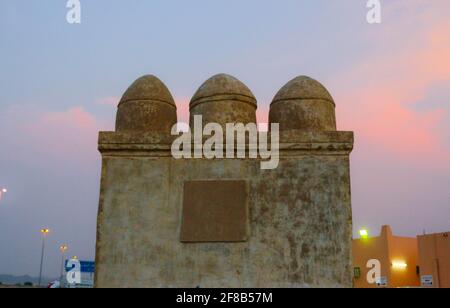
86, 267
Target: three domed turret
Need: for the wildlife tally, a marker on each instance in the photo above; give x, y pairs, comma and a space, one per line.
303, 104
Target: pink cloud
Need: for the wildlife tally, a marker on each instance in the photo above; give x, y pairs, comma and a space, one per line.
262, 117
66, 136
401, 160
74, 118
109, 101
378, 96
182, 109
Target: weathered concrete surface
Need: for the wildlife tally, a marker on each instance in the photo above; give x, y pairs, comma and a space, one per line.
299, 215
300, 221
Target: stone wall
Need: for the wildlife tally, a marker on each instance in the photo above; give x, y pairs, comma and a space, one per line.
299, 224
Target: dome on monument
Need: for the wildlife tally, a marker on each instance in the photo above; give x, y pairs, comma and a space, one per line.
303, 87
146, 105
303, 104
224, 99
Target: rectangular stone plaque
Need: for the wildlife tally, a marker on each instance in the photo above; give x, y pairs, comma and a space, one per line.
214, 211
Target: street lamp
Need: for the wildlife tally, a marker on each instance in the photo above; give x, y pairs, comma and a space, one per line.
364, 233
44, 233
63, 250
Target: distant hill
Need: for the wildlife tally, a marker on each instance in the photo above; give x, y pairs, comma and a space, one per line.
13, 280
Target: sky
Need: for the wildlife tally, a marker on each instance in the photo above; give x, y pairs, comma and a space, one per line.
60, 84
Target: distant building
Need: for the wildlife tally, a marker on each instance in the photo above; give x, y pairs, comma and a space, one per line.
434, 260
397, 256
405, 262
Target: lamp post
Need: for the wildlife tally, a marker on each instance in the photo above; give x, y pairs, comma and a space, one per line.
63, 250
44, 233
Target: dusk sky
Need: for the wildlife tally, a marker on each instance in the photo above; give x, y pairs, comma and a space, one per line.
60, 84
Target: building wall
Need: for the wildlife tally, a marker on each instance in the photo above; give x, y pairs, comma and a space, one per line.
434, 258
387, 249
404, 250
368, 249
299, 217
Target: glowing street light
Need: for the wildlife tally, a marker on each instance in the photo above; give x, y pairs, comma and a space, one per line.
364, 233
399, 265
63, 250
44, 233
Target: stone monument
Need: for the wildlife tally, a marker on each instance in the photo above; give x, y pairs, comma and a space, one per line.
166, 222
